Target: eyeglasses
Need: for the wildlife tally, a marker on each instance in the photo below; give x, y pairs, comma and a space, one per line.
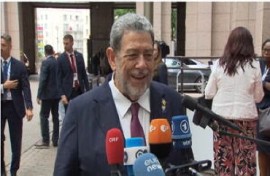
266, 50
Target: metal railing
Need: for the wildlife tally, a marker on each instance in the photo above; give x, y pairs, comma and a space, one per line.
185, 69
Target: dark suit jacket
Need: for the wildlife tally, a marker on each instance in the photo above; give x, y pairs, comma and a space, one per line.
265, 103
161, 74
21, 96
65, 74
48, 80
81, 150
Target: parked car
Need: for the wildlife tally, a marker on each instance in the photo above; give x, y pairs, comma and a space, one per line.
192, 77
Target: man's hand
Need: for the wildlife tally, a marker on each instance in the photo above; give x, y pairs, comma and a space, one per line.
29, 114
64, 99
38, 101
10, 84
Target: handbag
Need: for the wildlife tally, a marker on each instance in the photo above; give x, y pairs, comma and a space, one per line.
264, 121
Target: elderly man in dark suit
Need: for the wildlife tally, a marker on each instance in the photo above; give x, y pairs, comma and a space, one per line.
72, 77
15, 102
81, 148
48, 96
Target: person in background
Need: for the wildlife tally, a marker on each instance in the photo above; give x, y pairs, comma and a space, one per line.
264, 151
235, 86
48, 97
81, 149
72, 78
16, 103
61, 108
161, 71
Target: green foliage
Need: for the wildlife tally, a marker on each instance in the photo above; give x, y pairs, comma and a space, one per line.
120, 12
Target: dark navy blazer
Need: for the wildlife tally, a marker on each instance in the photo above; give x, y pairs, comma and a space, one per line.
265, 103
65, 74
162, 74
21, 96
48, 80
81, 150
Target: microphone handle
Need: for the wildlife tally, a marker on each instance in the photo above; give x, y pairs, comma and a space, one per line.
218, 117
116, 173
115, 170
257, 141
194, 172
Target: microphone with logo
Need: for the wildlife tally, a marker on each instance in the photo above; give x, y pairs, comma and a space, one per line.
181, 153
148, 165
115, 150
134, 148
181, 137
181, 159
160, 138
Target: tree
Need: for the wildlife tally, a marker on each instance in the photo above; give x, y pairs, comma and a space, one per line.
120, 12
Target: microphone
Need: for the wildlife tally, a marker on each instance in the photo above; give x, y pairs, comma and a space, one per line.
160, 139
181, 160
147, 165
181, 132
191, 104
182, 141
115, 150
134, 148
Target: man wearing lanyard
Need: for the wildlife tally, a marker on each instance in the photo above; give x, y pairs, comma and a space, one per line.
15, 103
72, 77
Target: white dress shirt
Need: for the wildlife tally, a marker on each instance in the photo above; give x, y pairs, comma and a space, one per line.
8, 75
122, 106
234, 97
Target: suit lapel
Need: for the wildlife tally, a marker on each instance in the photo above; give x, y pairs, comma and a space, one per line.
12, 68
108, 116
66, 59
158, 102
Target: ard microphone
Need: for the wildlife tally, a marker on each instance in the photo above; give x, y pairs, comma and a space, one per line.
115, 150
160, 138
181, 132
134, 148
147, 165
181, 136
191, 104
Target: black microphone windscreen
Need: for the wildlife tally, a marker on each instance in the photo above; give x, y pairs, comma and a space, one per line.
189, 102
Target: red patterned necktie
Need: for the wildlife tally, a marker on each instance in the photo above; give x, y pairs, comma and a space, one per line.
135, 125
73, 67
73, 63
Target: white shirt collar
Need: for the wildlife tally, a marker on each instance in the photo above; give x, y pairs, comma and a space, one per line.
122, 103
8, 59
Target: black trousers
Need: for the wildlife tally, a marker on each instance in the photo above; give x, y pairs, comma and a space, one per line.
15, 123
47, 106
75, 93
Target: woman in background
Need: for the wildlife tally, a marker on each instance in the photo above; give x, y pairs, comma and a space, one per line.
263, 150
235, 86
161, 71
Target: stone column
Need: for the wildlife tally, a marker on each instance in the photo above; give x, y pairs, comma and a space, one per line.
10, 24
262, 31
198, 28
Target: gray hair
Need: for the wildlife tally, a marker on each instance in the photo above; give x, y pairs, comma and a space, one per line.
6, 37
129, 22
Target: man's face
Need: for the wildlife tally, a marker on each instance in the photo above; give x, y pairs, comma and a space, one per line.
68, 45
5, 49
133, 64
